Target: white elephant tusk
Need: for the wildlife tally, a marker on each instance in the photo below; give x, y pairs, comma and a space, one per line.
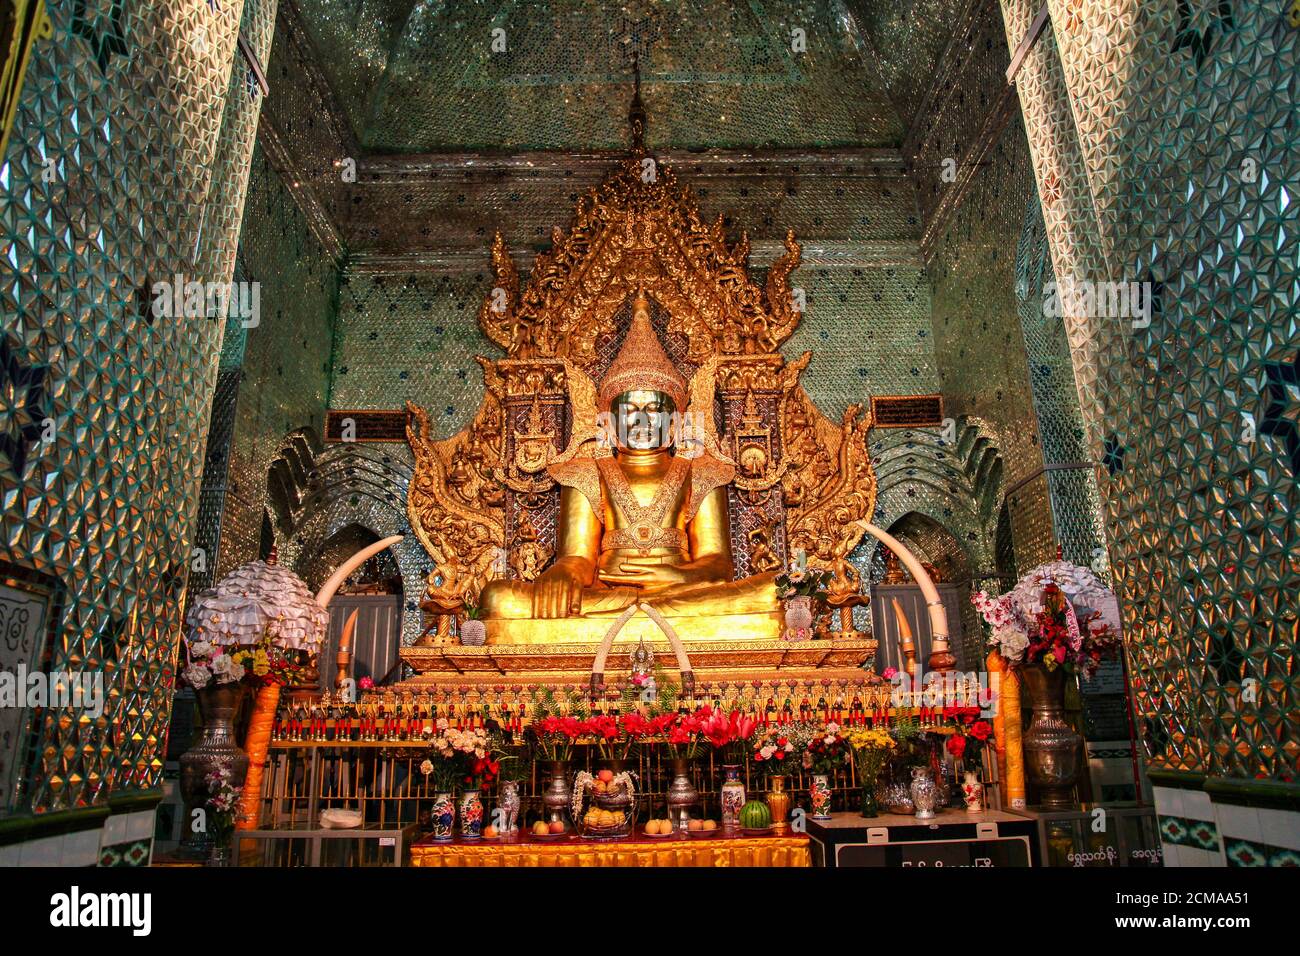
941, 658
326, 593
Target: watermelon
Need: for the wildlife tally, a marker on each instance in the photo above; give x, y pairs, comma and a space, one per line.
755, 815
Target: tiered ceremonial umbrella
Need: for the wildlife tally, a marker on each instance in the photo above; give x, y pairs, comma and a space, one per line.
261, 600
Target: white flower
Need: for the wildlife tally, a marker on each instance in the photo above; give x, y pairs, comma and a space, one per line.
426, 766
1011, 642
197, 676
225, 668
200, 649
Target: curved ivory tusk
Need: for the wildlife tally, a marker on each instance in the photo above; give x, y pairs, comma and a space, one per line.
607, 643
941, 658
343, 656
326, 593
683, 662
905, 642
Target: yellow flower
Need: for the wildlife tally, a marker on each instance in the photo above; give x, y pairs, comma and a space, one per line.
261, 663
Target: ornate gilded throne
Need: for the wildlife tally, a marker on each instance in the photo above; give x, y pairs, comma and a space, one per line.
483, 504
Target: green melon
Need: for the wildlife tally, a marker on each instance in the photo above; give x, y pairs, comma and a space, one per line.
755, 815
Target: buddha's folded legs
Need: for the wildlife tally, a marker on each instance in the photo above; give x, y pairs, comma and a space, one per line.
513, 600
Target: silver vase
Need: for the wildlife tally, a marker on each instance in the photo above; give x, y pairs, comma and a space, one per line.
682, 795
1051, 745
558, 793
925, 793
215, 750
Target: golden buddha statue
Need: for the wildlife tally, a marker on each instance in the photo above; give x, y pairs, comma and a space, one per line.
642, 520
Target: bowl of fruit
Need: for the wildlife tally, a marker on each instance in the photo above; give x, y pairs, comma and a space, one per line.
658, 829
702, 829
555, 830
601, 824
604, 805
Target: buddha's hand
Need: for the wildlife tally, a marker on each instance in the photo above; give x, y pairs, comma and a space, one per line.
649, 575
557, 592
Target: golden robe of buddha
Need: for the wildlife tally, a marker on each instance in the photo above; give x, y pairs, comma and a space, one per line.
641, 521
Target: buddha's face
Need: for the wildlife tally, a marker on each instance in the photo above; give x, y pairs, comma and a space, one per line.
643, 420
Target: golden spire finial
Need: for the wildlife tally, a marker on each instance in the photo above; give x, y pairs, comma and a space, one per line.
636, 115
642, 362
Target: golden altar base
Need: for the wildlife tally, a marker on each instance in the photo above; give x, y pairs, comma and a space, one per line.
784, 851
768, 663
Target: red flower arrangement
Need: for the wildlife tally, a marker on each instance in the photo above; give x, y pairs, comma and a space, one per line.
827, 752
969, 737
553, 737
729, 734
1058, 638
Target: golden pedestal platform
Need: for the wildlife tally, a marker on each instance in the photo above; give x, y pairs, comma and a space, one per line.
513, 666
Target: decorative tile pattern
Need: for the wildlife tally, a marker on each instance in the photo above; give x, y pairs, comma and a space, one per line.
130, 853
1249, 853
1182, 831
1161, 129
427, 77
116, 178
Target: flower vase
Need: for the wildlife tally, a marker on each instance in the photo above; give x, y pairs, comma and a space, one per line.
682, 795
972, 792
732, 796
219, 854
925, 793
778, 802
870, 806
819, 794
471, 814
1051, 745
216, 750
443, 816
558, 793
510, 804
798, 618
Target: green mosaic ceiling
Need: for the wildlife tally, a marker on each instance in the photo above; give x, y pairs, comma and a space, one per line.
421, 76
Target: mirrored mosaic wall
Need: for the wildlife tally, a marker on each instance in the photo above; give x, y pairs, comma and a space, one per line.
279, 369
1167, 151
122, 171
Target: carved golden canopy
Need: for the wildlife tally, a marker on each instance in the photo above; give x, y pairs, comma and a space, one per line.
639, 229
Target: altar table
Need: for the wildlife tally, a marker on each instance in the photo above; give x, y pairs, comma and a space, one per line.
788, 851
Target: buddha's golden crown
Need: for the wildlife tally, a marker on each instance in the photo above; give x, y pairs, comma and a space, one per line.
642, 362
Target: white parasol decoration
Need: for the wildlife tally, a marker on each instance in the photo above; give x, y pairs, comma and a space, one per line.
1012, 615
258, 598
1083, 589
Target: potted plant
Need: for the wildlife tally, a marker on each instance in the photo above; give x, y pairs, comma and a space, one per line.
799, 588
729, 736
871, 747
473, 632
774, 754
218, 681
551, 734
454, 755
824, 756
1045, 642
220, 809
969, 737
